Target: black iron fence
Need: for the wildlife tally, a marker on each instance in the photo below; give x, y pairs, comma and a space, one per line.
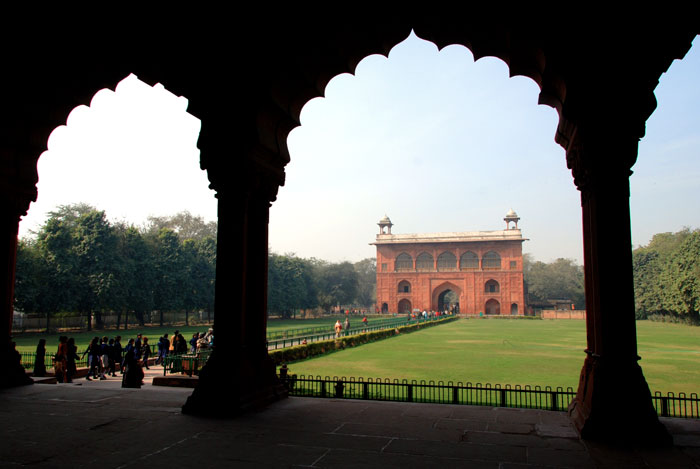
681, 405
525, 397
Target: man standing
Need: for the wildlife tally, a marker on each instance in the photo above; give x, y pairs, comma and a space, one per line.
347, 325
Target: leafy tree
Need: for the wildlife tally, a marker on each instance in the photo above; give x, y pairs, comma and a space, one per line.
562, 278
136, 275
666, 274
289, 284
680, 280
337, 284
184, 224
170, 274
366, 281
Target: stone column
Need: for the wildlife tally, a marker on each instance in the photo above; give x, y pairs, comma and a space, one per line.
12, 374
239, 374
613, 402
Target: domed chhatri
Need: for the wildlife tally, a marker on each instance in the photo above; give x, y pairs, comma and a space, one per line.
511, 216
385, 225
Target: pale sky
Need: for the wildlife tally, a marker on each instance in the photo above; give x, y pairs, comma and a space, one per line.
427, 137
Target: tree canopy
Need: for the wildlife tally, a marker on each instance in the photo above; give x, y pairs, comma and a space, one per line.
81, 262
667, 275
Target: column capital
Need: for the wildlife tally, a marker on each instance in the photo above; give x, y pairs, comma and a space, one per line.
600, 159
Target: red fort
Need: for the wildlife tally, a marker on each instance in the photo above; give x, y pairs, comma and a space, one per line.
477, 272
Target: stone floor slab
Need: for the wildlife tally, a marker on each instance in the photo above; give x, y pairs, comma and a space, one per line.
106, 426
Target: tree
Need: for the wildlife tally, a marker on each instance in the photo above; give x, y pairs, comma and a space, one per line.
289, 284
562, 278
184, 224
666, 275
337, 284
169, 269
680, 279
366, 281
136, 275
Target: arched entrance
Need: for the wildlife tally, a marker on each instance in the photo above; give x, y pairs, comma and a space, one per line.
514, 309
385, 308
447, 301
446, 296
492, 307
404, 306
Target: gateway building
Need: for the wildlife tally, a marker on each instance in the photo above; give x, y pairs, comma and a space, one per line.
473, 273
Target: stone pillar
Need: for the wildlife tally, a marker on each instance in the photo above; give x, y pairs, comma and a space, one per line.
613, 402
12, 374
239, 374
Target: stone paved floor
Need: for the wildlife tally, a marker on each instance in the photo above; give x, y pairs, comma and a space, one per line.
101, 425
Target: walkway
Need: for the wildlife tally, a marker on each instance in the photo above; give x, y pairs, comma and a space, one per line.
99, 424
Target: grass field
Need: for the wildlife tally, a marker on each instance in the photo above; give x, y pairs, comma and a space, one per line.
545, 353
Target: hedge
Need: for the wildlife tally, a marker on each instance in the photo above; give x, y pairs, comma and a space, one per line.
302, 352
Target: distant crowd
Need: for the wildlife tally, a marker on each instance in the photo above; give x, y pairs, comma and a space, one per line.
107, 355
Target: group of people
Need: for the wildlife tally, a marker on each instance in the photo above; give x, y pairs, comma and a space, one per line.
107, 355
344, 328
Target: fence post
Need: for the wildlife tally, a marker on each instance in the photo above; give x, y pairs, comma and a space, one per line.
365, 390
409, 393
503, 397
554, 396
664, 406
323, 389
455, 395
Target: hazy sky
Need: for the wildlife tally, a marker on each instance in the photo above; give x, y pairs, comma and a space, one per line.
427, 137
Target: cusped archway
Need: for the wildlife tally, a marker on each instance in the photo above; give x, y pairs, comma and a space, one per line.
447, 261
425, 262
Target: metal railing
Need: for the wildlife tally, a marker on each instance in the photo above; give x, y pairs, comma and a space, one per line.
292, 341
524, 397
186, 363
328, 329
681, 405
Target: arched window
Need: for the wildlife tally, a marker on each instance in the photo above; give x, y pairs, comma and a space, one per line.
469, 261
492, 287
404, 306
491, 261
404, 286
403, 263
425, 261
447, 261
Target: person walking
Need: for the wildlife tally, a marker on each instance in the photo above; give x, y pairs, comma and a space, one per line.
60, 359
145, 352
40, 359
347, 325
128, 351
133, 374
111, 359
137, 347
71, 357
118, 352
338, 328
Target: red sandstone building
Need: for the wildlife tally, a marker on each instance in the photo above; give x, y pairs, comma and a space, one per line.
469, 272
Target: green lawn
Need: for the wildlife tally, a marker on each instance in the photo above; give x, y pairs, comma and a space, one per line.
544, 353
